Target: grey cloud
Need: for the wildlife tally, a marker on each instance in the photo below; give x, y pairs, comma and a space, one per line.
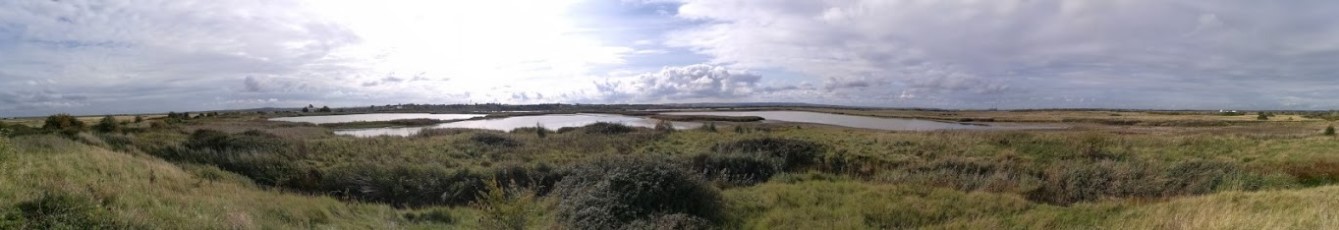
682, 82
133, 54
1018, 52
251, 84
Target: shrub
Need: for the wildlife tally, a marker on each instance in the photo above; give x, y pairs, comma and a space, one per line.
253, 140
793, 154
671, 222
432, 215
65, 211
664, 126
107, 124
735, 169
709, 127
403, 185
615, 193
1329, 130
1077, 181
493, 139
64, 123
13, 130
504, 208
1262, 116
607, 128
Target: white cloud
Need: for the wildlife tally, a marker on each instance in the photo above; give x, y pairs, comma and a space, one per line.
1007, 51
692, 82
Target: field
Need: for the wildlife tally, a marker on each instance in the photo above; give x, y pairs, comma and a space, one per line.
1110, 170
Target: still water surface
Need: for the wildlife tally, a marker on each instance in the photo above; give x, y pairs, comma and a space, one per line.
374, 117
552, 121
897, 124
556, 121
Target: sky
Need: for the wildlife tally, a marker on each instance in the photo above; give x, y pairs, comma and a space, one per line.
146, 56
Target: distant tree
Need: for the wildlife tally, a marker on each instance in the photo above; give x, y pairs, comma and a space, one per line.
540, 130
665, 126
139, 119
171, 115
709, 127
324, 109
63, 123
305, 110
1329, 131
107, 124
310, 106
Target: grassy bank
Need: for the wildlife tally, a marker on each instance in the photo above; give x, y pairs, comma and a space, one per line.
230, 172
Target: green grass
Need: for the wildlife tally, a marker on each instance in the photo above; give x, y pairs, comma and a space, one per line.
1277, 175
138, 190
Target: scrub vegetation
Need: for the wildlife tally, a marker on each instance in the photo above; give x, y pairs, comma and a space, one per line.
241, 172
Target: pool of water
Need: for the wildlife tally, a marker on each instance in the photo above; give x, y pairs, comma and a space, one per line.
552, 121
373, 117
866, 122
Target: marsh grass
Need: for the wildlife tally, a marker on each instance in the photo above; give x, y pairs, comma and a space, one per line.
241, 173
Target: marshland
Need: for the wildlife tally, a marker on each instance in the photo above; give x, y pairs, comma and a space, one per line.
1086, 169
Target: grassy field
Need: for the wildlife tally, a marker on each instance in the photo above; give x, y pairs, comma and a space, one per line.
241, 172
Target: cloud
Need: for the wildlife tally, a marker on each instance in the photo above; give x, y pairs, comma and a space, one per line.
251, 84
1015, 52
682, 82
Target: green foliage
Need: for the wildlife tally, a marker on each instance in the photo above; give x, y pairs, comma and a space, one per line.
615, 193
13, 130
1329, 130
505, 208
1262, 116
793, 154
107, 125
735, 169
62, 211
436, 215
1072, 182
664, 126
63, 123
709, 127
493, 139
139, 119
323, 109
606, 128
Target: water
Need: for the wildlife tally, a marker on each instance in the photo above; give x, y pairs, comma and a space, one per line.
374, 117
865, 122
552, 121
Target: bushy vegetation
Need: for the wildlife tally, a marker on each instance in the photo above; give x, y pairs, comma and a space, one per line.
616, 193
59, 210
611, 176
607, 128
64, 124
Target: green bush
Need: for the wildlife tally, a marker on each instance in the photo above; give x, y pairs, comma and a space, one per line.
615, 193
63, 123
403, 185
493, 139
735, 169
107, 125
1076, 181
793, 154
431, 215
63, 211
607, 128
1329, 130
671, 222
